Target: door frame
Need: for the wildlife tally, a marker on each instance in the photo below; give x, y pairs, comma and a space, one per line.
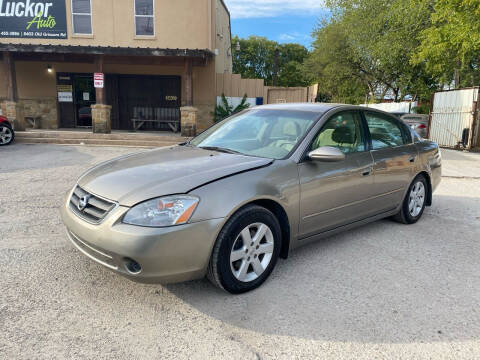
73, 76
74, 79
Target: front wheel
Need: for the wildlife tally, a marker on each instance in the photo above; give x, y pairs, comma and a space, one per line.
6, 135
414, 203
246, 250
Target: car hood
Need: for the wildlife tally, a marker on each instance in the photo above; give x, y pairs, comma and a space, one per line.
175, 170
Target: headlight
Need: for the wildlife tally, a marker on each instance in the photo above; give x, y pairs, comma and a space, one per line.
161, 212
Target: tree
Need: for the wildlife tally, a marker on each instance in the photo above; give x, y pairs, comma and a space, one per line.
452, 42
256, 60
333, 66
376, 40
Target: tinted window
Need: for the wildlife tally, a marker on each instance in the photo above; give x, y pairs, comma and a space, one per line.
343, 131
385, 131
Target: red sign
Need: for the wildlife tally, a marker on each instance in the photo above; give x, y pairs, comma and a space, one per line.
98, 80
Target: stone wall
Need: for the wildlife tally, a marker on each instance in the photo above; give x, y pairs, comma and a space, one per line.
3, 107
43, 109
101, 118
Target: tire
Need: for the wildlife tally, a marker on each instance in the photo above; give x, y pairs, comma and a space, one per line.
234, 265
411, 214
7, 135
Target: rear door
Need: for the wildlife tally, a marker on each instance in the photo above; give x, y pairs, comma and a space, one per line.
394, 156
334, 193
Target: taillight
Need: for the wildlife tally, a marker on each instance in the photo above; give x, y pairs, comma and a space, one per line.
421, 126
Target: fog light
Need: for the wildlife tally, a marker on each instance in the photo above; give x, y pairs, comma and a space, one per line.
132, 266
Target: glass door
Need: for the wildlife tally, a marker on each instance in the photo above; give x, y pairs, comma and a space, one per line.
84, 93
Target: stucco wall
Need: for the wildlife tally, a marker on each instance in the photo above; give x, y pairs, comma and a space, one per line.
222, 39
184, 24
34, 81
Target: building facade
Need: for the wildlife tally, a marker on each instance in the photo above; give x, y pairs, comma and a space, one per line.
159, 60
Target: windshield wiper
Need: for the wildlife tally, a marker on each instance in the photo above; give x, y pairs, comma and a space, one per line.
220, 149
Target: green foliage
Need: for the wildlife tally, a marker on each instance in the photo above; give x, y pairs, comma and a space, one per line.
422, 109
364, 49
256, 60
452, 41
225, 110
333, 66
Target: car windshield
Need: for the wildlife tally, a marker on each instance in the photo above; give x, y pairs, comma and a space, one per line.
258, 132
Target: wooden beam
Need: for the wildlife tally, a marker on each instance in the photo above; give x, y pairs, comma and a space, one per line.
100, 92
9, 65
188, 74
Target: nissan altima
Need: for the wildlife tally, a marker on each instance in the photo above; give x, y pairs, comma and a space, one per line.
247, 191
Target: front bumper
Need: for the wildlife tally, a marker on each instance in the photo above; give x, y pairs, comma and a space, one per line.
166, 255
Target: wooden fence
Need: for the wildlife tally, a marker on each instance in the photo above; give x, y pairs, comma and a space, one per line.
232, 85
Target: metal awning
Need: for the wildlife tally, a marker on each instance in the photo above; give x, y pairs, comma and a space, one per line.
106, 50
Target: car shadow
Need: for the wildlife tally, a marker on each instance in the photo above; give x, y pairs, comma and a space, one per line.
383, 282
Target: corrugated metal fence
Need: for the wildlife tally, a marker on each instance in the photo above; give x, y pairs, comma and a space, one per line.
452, 112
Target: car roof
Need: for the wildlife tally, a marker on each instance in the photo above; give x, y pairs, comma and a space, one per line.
321, 108
313, 107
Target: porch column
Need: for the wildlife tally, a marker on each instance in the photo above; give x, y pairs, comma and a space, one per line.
101, 119
188, 120
188, 71
14, 110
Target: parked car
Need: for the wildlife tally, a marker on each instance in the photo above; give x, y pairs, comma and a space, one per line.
398, 114
248, 190
7, 135
418, 122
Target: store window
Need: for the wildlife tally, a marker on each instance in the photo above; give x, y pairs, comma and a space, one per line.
144, 18
82, 17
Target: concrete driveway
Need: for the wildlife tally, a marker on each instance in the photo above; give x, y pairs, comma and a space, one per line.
381, 291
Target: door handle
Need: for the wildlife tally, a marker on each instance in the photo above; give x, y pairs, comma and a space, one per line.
412, 159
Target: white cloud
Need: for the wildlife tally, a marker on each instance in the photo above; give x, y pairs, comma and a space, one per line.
287, 37
294, 37
271, 8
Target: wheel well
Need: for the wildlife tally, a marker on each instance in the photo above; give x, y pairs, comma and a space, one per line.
282, 217
429, 185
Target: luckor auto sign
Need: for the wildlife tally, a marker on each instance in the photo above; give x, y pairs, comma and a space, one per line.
41, 19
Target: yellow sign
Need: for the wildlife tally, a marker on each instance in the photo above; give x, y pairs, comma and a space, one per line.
64, 88
171, 98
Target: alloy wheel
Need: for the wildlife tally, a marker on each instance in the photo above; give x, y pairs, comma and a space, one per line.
5, 135
416, 199
252, 252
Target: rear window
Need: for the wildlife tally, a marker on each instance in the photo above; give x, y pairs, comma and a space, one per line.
386, 131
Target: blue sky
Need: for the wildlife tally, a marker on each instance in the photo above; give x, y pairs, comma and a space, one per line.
280, 20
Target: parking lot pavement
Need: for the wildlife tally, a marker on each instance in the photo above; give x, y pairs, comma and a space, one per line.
461, 164
384, 290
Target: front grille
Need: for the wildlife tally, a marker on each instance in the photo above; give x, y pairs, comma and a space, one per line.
90, 207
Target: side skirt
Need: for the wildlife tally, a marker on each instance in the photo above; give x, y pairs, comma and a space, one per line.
312, 238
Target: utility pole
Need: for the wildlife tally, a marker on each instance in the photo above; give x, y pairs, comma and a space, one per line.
275, 67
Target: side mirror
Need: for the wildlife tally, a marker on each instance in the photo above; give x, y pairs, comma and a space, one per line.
327, 154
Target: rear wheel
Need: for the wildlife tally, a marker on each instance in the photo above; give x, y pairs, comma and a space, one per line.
414, 203
6, 135
246, 250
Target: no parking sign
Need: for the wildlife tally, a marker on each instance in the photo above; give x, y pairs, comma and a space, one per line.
98, 80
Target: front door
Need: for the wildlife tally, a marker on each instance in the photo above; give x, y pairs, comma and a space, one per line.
394, 155
333, 194
85, 97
